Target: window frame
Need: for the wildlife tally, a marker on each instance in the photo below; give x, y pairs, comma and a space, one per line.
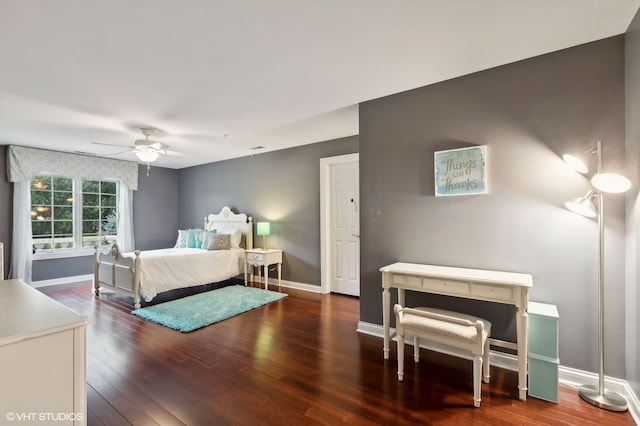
78, 221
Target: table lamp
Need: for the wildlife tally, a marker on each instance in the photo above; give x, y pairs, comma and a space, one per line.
264, 229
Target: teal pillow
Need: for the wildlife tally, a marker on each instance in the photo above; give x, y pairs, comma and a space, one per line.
192, 238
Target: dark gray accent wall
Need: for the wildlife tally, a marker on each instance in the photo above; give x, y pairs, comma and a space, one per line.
527, 114
282, 187
632, 123
155, 208
49, 269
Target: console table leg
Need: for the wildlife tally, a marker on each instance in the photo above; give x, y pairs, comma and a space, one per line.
386, 301
522, 324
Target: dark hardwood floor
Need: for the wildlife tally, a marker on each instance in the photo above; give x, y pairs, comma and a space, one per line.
298, 361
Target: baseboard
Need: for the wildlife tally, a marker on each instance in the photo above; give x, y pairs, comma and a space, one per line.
576, 378
566, 375
290, 284
64, 280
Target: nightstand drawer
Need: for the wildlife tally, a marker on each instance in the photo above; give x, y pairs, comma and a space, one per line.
255, 257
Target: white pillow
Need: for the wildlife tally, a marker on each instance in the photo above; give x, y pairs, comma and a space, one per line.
181, 242
236, 237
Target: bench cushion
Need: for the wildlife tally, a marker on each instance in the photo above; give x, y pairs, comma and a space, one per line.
445, 329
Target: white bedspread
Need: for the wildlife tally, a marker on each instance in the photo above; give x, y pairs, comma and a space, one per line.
169, 269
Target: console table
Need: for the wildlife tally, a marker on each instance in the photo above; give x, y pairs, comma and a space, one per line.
492, 286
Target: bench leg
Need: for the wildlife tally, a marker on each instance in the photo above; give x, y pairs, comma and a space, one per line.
477, 376
486, 363
400, 356
416, 349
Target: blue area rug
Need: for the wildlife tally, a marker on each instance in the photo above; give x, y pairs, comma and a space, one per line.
197, 311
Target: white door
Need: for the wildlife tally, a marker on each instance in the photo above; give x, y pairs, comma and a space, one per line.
342, 226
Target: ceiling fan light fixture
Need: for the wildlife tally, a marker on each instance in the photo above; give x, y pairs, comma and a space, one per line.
147, 156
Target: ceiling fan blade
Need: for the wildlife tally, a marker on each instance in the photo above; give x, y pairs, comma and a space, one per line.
149, 143
174, 153
112, 144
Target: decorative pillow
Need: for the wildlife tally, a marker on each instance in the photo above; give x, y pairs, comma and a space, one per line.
220, 242
199, 236
192, 238
236, 237
207, 239
181, 242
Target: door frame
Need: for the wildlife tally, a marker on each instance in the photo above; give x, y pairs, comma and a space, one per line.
325, 214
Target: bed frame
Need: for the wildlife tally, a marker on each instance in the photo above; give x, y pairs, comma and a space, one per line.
122, 274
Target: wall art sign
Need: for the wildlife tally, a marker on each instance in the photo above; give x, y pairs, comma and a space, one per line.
461, 171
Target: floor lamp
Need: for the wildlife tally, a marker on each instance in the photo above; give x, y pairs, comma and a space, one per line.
610, 183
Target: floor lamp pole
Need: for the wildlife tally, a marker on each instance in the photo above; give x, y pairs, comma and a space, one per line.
598, 395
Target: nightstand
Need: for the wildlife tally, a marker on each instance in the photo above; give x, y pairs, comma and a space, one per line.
263, 258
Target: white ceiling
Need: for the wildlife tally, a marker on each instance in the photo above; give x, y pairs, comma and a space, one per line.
275, 73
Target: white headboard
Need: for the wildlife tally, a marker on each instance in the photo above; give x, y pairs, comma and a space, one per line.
226, 220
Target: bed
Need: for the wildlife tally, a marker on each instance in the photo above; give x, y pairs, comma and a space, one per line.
145, 274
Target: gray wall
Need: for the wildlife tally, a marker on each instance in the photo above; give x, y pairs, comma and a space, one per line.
282, 187
527, 113
632, 295
155, 208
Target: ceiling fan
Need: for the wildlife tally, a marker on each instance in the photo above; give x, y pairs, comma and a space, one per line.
147, 150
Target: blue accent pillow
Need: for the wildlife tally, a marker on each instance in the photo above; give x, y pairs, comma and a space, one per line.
192, 238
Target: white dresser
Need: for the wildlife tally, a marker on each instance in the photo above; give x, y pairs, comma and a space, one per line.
42, 359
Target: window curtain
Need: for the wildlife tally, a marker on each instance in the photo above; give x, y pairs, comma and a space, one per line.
24, 163
21, 250
125, 219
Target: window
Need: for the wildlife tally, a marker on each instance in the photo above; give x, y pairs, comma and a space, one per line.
69, 215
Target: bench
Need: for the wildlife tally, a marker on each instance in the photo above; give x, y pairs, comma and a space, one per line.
450, 328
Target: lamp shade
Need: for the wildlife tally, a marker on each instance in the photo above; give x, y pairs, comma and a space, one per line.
611, 182
263, 228
575, 163
582, 206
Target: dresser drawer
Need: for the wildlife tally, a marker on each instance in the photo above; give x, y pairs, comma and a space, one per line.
406, 281
445, 286
496, 292
255, 257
